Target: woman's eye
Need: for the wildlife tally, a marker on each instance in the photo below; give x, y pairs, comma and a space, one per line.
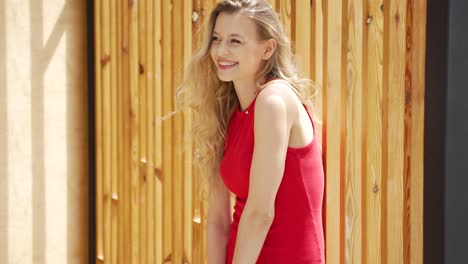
214, 38
235, 41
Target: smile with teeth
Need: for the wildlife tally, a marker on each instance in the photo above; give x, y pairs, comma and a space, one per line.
224, 65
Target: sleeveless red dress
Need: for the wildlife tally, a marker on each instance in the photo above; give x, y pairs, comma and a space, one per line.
296, 234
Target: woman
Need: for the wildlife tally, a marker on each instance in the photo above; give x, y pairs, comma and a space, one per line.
255, 138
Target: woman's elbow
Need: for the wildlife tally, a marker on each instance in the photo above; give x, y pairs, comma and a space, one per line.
261, 217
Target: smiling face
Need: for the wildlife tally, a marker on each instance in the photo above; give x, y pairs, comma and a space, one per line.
236, 49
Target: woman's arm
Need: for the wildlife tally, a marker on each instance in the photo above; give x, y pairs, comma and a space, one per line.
271, 132
218, 222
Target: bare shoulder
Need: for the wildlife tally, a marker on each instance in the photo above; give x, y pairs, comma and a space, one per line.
276, 96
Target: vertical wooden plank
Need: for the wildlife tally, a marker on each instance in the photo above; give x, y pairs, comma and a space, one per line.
198, 247
168, 235
408, 131
302, 29
317, 60
285, 16
204, 190
343, 118
98, 131
324, 112
142, 136
134, 131
150, 179
395, 127
158, 134
106, 97
416, 47
354, 134
373, 93
178, 129
188, 163
126, 142
333, 120
113, 140
120, 134
317, 75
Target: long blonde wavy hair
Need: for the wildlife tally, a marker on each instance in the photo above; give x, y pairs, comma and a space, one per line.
213, 101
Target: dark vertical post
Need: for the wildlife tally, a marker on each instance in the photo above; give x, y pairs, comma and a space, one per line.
434, 130
446, 133
456, 141
91, 133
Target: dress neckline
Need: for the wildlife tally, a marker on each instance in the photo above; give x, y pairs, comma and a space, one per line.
248, 108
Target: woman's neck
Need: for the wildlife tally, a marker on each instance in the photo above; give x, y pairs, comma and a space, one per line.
246, 92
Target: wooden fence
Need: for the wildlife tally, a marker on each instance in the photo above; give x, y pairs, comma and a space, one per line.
368, 58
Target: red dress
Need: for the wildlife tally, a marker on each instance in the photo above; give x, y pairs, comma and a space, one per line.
296, 234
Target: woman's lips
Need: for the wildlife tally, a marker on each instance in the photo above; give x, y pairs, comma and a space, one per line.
225, 65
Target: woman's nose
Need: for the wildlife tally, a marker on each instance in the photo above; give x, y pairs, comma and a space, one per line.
222, 48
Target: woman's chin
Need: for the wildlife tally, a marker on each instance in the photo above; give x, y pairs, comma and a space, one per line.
224, 78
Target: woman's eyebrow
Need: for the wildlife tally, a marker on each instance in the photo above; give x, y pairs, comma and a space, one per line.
231, 35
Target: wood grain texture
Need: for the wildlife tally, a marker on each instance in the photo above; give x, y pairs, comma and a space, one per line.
188, 197
167, 169
285, 12
415, 74
150, 125
395, 86
178, 130
158, 135
367, 58
373, 92
120, 148
302, 33
142, 130
354, 133
334, 131
98, 132
134, 133
106, 98
113, 195
126, 141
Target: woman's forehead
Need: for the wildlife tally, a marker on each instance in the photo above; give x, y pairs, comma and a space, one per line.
235, 25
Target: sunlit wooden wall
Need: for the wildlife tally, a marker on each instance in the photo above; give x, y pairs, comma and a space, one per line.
368, 58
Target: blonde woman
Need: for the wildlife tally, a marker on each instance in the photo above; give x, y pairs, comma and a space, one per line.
255, 138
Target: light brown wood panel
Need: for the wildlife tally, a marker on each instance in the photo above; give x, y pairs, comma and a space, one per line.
394, 83
316, 59
414, 139
125, 142
284, 7
150, 177
167, 155
178, 130
367, 58
373, 94
98, 126
134, 132
119, 194
142, 131
354, 132
333, 130
198, 251
113, 127
158, 134
187, 176
302, 31
106, 98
